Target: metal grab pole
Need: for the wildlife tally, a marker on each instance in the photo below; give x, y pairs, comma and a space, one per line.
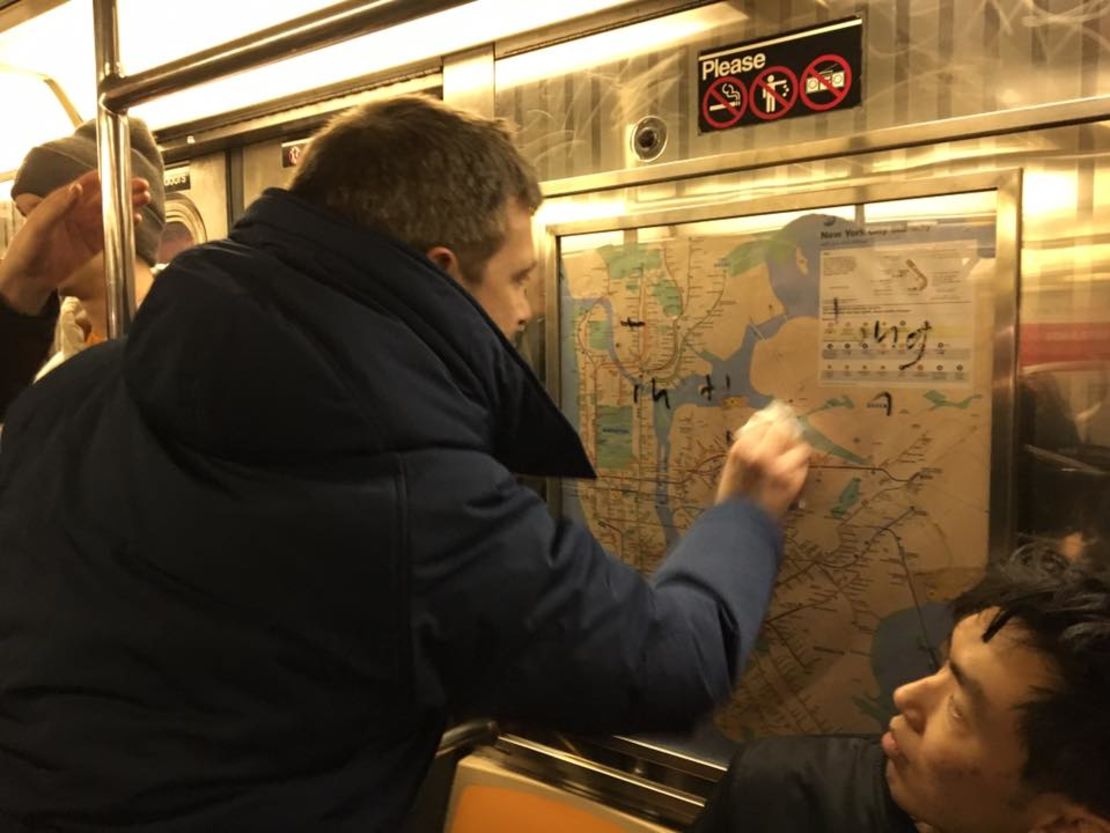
113, 142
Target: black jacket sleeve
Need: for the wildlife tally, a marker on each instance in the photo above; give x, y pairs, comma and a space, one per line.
516, 615
24, 345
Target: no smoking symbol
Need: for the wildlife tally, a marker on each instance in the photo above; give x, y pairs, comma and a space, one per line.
724, 102
774, 92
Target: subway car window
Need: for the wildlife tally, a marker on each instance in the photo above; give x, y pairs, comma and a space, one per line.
874, 229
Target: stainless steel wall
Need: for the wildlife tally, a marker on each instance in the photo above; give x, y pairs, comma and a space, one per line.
924, 60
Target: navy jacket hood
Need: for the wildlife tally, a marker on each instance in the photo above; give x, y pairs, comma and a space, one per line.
274, 302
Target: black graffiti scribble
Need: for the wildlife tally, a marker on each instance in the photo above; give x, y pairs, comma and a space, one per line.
632, 322
887, 402
707, 389
924, 280
881, 334
658, 393
919, 340
916, 341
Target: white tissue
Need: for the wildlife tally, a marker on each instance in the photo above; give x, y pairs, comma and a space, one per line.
777, 412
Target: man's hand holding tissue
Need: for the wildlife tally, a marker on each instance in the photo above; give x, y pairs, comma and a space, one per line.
767, 463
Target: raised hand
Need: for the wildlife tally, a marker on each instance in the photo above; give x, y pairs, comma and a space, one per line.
767, 464
62, 232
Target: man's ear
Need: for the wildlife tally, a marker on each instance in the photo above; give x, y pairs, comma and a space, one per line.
446, 260
1072, 818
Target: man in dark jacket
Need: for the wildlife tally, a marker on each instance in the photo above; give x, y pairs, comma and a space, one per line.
59, 249
253, 558
1012, 735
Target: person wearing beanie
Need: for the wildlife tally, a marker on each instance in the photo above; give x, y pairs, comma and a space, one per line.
58, 252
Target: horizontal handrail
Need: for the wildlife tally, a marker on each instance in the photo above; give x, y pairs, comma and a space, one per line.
307, 33
469, 734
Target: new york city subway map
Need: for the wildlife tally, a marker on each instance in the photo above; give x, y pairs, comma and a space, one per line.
880, 340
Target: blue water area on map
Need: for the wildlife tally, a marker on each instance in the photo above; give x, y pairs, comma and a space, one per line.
799, 242
906, 647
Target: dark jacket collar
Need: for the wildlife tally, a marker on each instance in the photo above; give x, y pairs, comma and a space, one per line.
437, 333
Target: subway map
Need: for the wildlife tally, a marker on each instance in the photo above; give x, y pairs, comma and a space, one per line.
880, 339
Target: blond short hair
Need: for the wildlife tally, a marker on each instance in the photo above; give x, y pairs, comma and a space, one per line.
421, 172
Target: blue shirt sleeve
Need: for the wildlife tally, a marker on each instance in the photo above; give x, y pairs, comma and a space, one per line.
516, 615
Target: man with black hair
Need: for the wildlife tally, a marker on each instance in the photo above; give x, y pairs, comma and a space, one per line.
1011, 735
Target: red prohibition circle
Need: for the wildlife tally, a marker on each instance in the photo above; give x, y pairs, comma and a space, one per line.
713, 94
786, 104
838, 95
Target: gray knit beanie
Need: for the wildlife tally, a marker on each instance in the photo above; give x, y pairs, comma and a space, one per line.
54, 164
